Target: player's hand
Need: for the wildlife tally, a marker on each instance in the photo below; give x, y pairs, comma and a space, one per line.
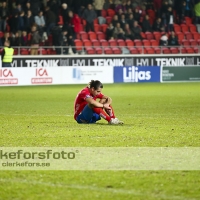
106, 106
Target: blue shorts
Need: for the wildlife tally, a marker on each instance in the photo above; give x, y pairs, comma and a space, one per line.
87, 116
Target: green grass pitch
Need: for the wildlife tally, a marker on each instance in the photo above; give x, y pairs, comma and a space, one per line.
155, 115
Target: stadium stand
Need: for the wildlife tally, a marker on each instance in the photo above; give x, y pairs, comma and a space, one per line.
69, 18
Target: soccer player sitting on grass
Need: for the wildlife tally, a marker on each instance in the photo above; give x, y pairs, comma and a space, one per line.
88, 110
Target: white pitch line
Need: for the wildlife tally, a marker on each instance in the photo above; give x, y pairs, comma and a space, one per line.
98, 189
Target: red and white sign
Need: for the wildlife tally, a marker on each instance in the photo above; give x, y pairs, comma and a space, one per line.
42, 77
7, 77
55, 75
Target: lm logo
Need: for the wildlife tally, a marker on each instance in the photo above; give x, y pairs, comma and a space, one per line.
131, 74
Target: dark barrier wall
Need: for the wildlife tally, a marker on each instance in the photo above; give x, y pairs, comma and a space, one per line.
144, 60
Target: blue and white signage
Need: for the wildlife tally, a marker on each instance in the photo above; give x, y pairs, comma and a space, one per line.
128, 74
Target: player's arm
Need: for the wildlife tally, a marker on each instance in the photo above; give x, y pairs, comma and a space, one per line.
107, 99
94, 103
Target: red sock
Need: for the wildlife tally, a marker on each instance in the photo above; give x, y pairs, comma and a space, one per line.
110, 112
101, 112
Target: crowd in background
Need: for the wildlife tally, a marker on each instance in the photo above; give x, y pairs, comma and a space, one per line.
29, 22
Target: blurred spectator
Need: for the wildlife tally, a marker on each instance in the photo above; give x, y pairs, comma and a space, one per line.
50, 20
14, 23
197, 12
157, 4
27, 7
40, 22
35, 6
75, 23
21, 21
169, 19
64, 13
4, 14
120, 5
136, 30
128, 32
129, 5
89, 15
29, 21
35, 40
130, 20
109, 4
129, 11
188, 8
7, 54
24, 38
98, 5
54, 7
118, 32
66, 40
164, 40
146, 26
137, 14
173, 39
110, 32
15, 39
181, 12
122, 21
158, 26
6, 37
115, 20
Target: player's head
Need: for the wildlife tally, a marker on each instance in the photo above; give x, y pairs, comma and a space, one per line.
95, 87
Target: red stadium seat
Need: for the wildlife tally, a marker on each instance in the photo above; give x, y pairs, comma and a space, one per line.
92, 35
1, 34
177, 28
166, 50
189, 50
180, 36
108, 19
96, 21
149, 35
154, 43
133, 50
188, 20
157, 50
90, 50
193, 42
193, 28
129, 43
78, 44
108, 50
83, 35
112, 43
111, 13
185, 43
103, 13
98, 50
116, 50
146, 43
87, 43
149, 50
101, 35
104, 43
188, 35
157, 35
195, 35
24, 51
138, 43
104, 27
174, 50
143, 35
95, 43
97, 27
60, 22
184, 28
121, 43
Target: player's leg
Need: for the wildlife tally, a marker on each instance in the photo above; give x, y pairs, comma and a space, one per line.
87, 116
111, 113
